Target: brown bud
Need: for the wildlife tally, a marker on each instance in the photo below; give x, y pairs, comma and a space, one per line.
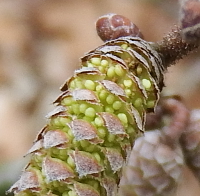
190, 20
113, 26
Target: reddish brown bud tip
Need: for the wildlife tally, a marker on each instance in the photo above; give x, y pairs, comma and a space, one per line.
190, 21
113, 26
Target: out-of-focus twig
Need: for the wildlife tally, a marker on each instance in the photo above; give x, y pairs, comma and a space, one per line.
156, 161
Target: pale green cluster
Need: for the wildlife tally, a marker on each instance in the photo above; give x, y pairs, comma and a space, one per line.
82, 149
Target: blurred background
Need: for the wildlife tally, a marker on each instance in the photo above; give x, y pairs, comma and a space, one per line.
41, 42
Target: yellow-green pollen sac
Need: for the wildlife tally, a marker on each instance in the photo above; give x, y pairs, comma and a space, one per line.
82, 149
146, 83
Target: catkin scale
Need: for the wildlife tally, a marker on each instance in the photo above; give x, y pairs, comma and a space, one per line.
100, 112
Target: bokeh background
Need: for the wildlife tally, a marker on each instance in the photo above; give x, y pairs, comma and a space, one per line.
41, 42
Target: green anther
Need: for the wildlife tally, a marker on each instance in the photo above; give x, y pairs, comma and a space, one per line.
104, 63
133, 87
95, 61
146, 83
70, 134
90, 112
38, 158
101, 132
119, 70
109, 109
128, 83
84, 143
150, 104
122, 86
67, 101
55, 151
117, 105
99, 88
130, 129
70, 162
61, 157
123, 118
72, 193
72, 84
25, 194
56, 122
56, 183
101, 69
83, 107
61, 188
94, 184
111, 72
88, 119
35, 158
138, 102
127, 57
128, 92
90, 64
110, 99
103, 94
66, 128
90, 148
79, 84
52, 122
124, 46
111, 137
64, 121
69, 109
98, 121
97, 156
65, 193
75, 108
118, 148
139, 70
89, 84
75, 143
93, 123
63, 153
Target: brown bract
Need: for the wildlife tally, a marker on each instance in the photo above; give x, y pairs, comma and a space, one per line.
55, 169
85, 190
28, 180
86, 163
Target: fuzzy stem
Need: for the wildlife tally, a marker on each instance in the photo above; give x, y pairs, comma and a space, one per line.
173, 47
